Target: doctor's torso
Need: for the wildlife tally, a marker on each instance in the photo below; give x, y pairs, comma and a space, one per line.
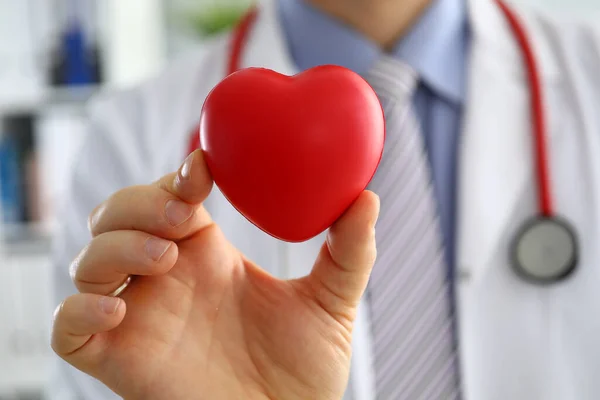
516, 340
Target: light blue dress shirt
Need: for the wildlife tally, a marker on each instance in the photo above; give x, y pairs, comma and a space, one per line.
436, 47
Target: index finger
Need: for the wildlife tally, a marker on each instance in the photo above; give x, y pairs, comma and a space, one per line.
169, 208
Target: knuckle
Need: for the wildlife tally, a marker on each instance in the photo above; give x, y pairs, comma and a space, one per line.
57, 330
99, 218
164, 183
92, 222
78, 261
58, 310
55, 338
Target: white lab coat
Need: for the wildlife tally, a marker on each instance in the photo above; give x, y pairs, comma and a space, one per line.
517, 341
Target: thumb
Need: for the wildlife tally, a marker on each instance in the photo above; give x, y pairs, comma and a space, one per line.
343, 267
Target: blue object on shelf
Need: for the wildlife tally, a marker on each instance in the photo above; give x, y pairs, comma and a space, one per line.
78, 69
11, 203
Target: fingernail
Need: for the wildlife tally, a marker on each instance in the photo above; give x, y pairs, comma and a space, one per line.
109, 305
178, 212
156, 248
185, 172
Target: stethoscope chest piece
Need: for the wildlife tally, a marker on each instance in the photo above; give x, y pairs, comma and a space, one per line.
545, 250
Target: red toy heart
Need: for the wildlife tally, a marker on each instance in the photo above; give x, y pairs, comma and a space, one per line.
292, 153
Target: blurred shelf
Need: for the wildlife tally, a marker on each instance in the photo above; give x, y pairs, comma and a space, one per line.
74, 96
70, 95
23, 395
24, 240
18, 105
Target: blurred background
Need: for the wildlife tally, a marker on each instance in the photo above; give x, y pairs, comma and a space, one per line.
54, 55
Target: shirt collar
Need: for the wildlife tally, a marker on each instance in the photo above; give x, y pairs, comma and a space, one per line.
436, 46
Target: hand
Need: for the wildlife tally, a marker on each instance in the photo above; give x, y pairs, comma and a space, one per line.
199, 320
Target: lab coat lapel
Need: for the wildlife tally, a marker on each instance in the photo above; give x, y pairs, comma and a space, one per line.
266, 45
496, 162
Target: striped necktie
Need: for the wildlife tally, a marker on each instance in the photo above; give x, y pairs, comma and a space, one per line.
409, 295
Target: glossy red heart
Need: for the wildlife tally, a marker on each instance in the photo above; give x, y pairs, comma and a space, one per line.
292, 153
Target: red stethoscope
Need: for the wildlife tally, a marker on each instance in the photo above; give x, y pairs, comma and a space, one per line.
545, 249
